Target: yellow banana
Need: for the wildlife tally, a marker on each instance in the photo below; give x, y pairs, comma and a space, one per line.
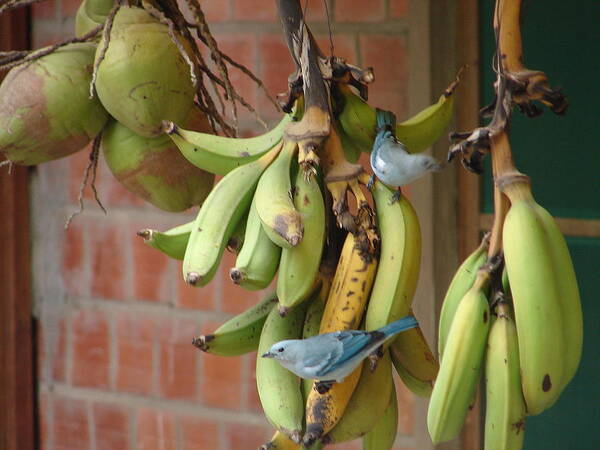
344, 309
383, 434
281, 221
400, 259
460, 284
278, 388
536, 291
299, 265
217, 219
418, 133
416, 386
460, 368
505, 405
241, 333
411, 351
257, 262
368, 403
280, 441
220, 155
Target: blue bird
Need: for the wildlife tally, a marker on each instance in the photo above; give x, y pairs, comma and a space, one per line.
390, 160
330, 357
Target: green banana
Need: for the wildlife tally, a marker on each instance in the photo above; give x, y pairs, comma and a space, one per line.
418, 387
220, 155
240, 334
569, 294
383, 434
217, 219
171, 242
368, 403
460, 369
505, 405
299, 265
460, 284
257, 262
281, 221
236, 240
357, 120
280, 441
400, 259
536, 291
278, 388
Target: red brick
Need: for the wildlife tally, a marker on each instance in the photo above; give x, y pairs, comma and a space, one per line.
155, 430
216, 10
90, 342
73, 264
44, 10
222, 380
70, 424
135, 343
152, 274
108, 259
387, 54
240, 435
406, 409
77, 166
344, 46
111, 425
253, 398
398, 9
194, 297
44, 405
178, 359
275, 66
256, 10
69, 7
198, 434
353, 11
58, 351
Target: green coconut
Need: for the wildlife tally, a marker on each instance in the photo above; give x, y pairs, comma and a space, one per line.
143, 79
90, 14
45, 109
154, 168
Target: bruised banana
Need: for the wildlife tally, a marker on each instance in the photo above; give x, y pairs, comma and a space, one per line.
460, 284
383, 434
344, 309
416, 386
299, 265
460, 368
257, 262
398, 273
418, 133
412, 352
241, 333
217, 219
536, 288
281, 221
505, 406
219, 154
278, 388
368, 403
171, 242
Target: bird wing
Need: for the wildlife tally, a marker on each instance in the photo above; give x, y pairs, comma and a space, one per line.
352, 343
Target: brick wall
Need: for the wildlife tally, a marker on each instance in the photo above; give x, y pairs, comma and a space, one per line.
115, 321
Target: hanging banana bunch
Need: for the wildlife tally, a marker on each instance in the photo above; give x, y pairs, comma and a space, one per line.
520, 328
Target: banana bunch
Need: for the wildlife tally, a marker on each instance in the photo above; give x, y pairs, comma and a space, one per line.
276, 207
529, 348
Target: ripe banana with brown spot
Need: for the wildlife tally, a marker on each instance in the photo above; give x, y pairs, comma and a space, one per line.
345, 306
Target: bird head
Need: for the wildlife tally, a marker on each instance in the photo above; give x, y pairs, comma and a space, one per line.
281, 350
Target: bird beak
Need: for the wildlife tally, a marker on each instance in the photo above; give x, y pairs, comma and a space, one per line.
268, 355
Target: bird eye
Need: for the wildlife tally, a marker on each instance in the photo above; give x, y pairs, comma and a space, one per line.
280, 349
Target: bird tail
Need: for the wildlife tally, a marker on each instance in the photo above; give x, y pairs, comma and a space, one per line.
386, 120
393, 328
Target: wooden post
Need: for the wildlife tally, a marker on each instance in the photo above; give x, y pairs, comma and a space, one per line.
17, 379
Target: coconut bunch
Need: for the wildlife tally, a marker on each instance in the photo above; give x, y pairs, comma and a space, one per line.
131, 66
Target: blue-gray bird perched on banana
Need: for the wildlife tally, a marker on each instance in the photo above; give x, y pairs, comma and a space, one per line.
390, 160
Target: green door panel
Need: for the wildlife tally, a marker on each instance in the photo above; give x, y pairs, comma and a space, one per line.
560, 154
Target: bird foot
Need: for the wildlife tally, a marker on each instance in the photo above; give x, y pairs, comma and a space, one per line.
375, 357
323, 387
